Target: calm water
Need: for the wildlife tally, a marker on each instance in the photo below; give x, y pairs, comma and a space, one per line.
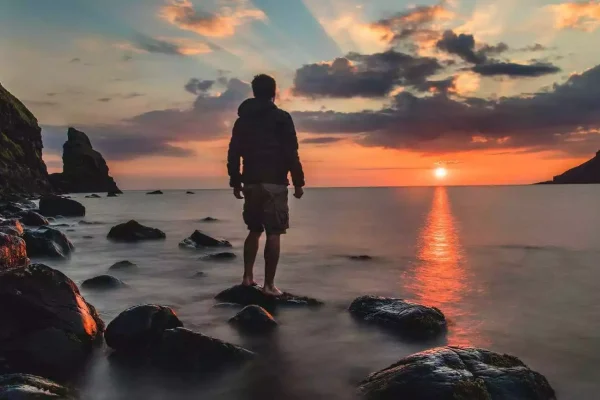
515, 269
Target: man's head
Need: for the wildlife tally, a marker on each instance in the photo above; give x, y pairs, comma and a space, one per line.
264, 87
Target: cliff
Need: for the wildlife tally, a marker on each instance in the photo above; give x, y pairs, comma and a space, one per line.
588, 172
22, 170
84, 169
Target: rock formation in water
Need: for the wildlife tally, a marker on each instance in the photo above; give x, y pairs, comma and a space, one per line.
22, 169
24, 387
588, 172
254, 318
199, 240
84, 169
51, 206
47, 242
133, 231
249, 295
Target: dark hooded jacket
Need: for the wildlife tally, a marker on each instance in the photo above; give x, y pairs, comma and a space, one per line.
265, 138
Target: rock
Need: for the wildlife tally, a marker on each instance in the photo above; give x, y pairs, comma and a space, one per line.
199, 239
32, 218
30, 387
254, 319
183, 350
248, 295
83, 222
405, 318
11, 227
112, 194
22, 169
189, 192
88, 237
13, 252
103, 282
47, 328
455, 373
155, 192
133, 231
362, 257
123, 266
224, 256
588, 172
52, 206
84, 169
93, 196
47, 242
199, 274
60, 225
139, 328
209, 219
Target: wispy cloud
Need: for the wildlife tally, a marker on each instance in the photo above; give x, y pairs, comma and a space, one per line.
167, 46
581, 15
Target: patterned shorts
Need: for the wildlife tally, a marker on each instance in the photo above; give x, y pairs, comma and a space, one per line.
266, 208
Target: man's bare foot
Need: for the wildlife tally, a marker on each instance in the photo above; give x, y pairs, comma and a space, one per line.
249, 281
271, 290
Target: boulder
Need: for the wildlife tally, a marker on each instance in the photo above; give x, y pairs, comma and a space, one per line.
183, 350
249, 295
223, 256
123, 266
13, 252
456, 373
139, 328
103, 282
254, 319
155, 192
11, 227
47, 328
93, 196
52, 206
84, 169
403, 317
47, 242
133, 231
112, 194
199, 240
30, 387
32, 218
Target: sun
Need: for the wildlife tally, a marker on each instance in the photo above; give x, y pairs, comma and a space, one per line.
440, 172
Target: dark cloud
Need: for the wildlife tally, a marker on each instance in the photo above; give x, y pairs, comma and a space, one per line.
515, 70
360, 75
75, 60
439, 86
567, 117
41, 103
127, 57
132, 95
152, 45
105, 99
197, 86
322, 140
534, 47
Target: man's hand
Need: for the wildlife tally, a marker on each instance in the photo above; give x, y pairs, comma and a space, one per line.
237, 192
298, 192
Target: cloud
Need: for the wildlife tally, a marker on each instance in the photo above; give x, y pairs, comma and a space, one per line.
463, 45
168, 46
223, 23
105, 99
566, 117
581, 15
359, 75
197, 86
322, 140
75, 60
534, 47
132, 95
516, 70
41, 103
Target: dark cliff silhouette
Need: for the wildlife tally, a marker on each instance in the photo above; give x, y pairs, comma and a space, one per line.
586, 173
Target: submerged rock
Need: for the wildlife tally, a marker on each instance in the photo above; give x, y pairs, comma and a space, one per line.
224, 256
138, 328
124, 265
249, 295
199, 240
199, 274
155, 192
254, 319
133, 231
189, 192
113, 194
11, 227
47, 242
183, 350
47, 327
30, 387
93, 196
103, 282
52, 206
32, 218
209, 219
455, 373
406, 318
13, 253
362, 257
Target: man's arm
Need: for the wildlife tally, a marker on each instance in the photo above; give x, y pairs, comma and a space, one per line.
233, 157
291, 152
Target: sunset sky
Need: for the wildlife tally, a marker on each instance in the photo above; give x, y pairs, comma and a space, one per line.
381, 91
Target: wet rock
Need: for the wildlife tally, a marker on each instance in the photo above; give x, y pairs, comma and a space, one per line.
60, 225
47, 327
32, 218
224, 256
124, 265
155, 192
248, 295
362, 257
11, 227
189, 192
199, 274
133, 231
103, 282
183, 350
455, 373
13, 252
199, 240
30, 387
254, 319
84, 222
51, 206
112, 194
209, 219
93, 196
88, 237
47, 242
403, 317
138, 328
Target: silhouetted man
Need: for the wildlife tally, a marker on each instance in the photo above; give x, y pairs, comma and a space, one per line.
265, 138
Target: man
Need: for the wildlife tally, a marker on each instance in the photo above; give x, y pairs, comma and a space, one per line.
265, 138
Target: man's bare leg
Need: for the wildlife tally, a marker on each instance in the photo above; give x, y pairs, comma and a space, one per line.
250, 252
272, 250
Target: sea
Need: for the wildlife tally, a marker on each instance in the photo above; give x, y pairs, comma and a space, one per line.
515, 269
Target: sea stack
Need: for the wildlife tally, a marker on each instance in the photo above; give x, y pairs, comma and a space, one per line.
22, 169
84, 169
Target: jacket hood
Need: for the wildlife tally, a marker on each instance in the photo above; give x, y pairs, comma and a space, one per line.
251, 107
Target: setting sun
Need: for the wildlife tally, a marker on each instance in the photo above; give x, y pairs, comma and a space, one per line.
440, 172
